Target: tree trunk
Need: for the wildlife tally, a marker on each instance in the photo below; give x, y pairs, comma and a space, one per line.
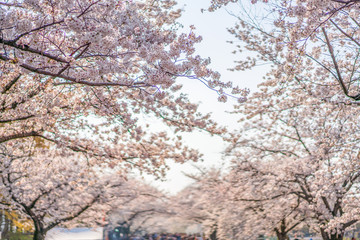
2, 215
281, 232
39, 235
336, 237
213, 235
281, 236
327, 236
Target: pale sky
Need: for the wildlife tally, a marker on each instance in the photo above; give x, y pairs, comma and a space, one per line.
212, 27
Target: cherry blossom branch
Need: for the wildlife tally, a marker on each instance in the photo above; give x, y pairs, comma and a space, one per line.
86, 9
332, 13
296, 224
26, 48
36, 29
19, 135
100, 84
89, 55
283, 152
178, 123
74, 80
73, 215
260, 199
343, 32
326, 203
46, 25
348, 224
322, 65
133, 216
10, 84
45, 193
301, 141
87, 45
16, 119
331, 51
348, 183
10, 4
345, 2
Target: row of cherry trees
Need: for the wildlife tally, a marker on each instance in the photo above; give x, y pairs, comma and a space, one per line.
295, 160
77, 77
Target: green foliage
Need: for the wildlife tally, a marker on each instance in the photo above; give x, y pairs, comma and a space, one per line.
20, 236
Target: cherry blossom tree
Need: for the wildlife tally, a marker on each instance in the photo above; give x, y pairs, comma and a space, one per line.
50, 190
204, 202
88, 75
250, 205
299, 149
315, 43
262, 205
142, 211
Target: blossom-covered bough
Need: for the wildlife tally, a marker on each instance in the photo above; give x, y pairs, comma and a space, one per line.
319, 38
80, 74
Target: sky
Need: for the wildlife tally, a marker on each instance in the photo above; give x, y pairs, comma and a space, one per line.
212, 27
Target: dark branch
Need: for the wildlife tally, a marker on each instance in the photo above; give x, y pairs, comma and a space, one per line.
12, 43
10, 84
